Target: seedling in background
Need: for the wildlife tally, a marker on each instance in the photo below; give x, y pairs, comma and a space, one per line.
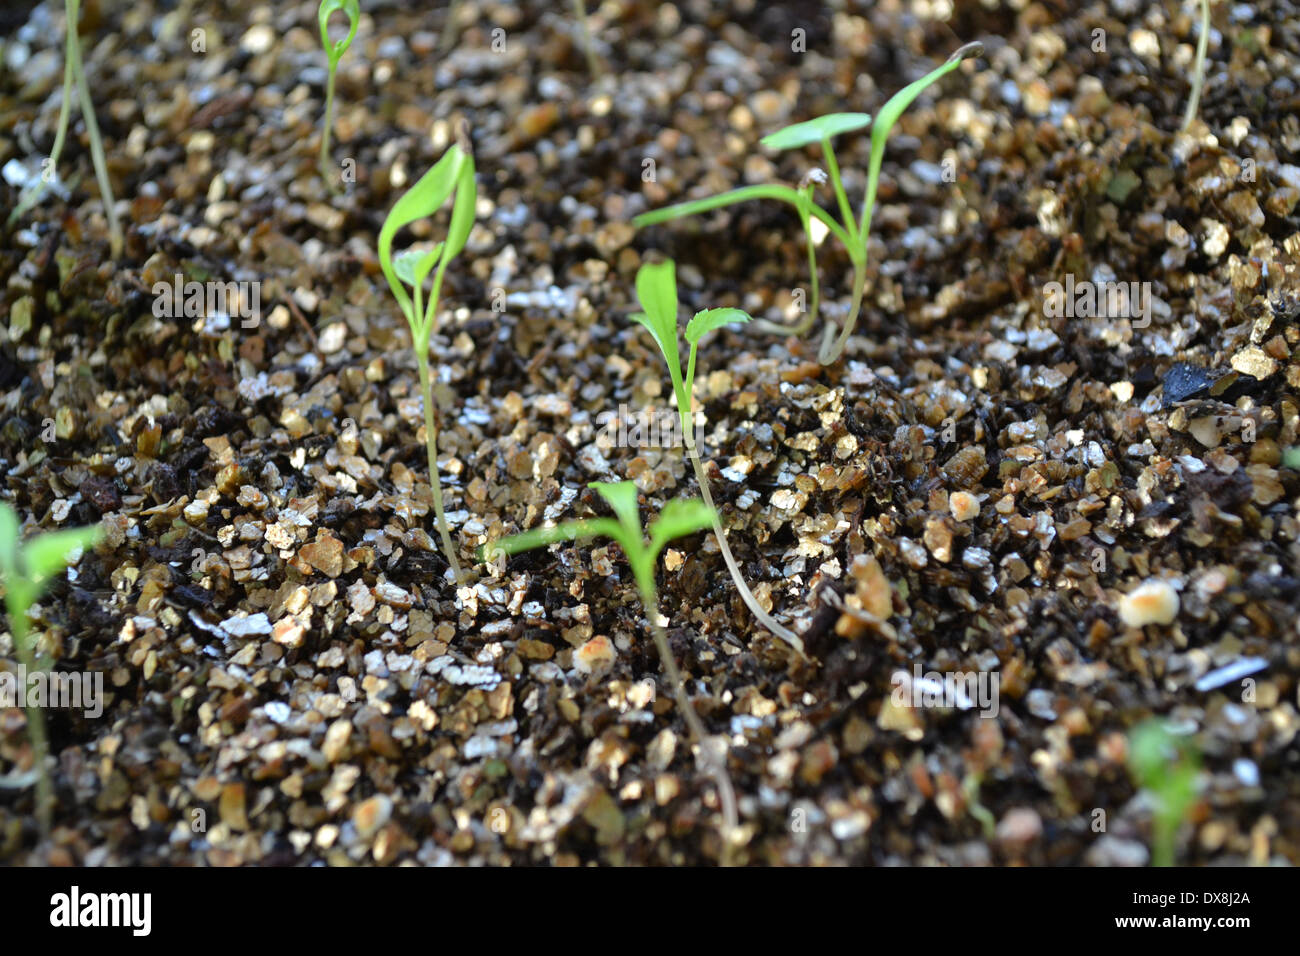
593, 64
853, 235
1198, 70
75, 72
26, 569
679, 518
656, 287
452, 176
333, 52
1166, 766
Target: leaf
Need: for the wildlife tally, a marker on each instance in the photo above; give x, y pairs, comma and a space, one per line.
656, 287
705, 322
885, 121
422, 199
541, 537
901, 100
621, 496
413, 265
678, 519
10, 536
463, 208
816, 130
47, 553
697, 206
350, 9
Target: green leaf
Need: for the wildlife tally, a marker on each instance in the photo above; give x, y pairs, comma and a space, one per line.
705, 322
621, 496
697, 206
889, 115
816, 130
656, 287
413, 265
541, 537
463, 208
767, 191
47, 553
10, 536
678, 519
421, 200
351, 10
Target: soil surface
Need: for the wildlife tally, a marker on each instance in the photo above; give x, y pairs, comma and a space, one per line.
292, 675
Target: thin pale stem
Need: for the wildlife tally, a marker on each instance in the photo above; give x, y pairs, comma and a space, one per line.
35, 727
715, 769
765, 619
450, 30
593, 64
846, 212
431, 444
1198, 71
96, 143
329, 125
833, 347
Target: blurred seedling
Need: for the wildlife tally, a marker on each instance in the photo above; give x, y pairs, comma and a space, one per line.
580, 14
451, 177
656, 287
333, 52
678, 519
26, 569
1198, 69
1167, 767
74, 72
852, 233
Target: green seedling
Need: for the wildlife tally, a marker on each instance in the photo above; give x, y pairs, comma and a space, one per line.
74, 72
1198, 70
1167, 767
451, 177
852, 233
656, 287
333, 52
26, 569
678, 518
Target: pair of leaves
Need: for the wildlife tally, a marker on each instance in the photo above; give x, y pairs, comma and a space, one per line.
27, 568
453, 174
350, 9
678, 519
656, 288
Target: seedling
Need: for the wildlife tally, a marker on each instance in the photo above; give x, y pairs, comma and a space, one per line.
26, 569
1198, 71
74, 72
678, 518
1166, 766
593, 64
656, 287
452, 176
333, 52
853, 235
